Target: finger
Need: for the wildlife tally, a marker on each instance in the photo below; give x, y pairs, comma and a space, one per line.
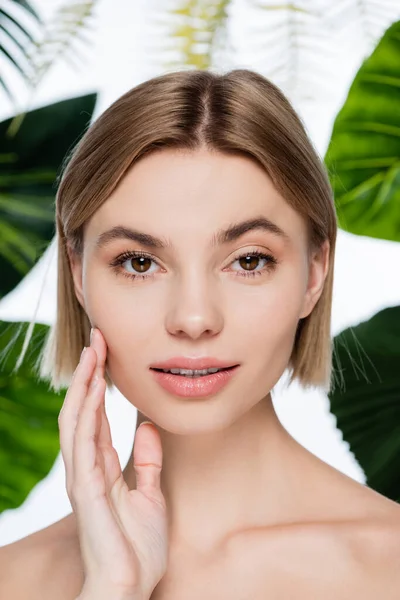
86, 476
112, 465
98, 343
105, 438
73, 401
109, 456
147, 459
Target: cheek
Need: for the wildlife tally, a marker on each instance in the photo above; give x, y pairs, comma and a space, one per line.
126, 319
265, 320
123, 327
117, 302
273, 307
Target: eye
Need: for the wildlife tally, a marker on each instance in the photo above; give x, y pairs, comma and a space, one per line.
138, 264
137, 261
250, 259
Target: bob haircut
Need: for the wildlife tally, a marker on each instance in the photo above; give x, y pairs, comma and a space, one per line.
238, 113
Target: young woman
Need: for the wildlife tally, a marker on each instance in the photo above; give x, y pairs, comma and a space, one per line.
196, 233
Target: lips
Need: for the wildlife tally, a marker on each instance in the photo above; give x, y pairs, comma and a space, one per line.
195, 387
182, 362
219, 370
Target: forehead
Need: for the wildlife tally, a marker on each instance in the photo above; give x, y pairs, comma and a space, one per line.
176, 193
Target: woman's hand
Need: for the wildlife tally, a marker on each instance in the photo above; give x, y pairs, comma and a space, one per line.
122, 532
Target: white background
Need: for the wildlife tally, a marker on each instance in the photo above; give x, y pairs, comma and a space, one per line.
127, 48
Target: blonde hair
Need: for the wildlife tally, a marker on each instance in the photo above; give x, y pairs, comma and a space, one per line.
239, 112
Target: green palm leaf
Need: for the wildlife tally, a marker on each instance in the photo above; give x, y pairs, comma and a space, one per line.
29, 439
367, 405
30, 162
363, 155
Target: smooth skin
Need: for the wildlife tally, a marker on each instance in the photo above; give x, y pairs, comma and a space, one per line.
250, 512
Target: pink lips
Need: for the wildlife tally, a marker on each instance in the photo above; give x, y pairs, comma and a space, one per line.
185, 362
189, 387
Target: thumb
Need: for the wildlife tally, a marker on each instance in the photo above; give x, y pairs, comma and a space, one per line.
147, 459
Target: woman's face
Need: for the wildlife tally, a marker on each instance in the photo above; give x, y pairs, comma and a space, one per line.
197, 297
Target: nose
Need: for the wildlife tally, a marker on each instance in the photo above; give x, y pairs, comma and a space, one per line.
195, 310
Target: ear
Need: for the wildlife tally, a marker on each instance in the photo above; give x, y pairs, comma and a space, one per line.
75, 262
319, 266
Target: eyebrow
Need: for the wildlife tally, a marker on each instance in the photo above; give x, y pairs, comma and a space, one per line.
221, 237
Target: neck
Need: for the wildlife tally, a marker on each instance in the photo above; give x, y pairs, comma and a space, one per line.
236, 478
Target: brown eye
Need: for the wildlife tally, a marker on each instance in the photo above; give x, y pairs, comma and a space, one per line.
248, 262
140, 263
134, 265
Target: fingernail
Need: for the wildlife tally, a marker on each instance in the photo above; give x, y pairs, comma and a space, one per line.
83, 352
91, 335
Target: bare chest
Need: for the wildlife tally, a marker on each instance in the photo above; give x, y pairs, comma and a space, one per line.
278, 568
268, 584
300, 563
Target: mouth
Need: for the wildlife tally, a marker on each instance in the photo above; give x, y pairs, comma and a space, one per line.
194, 385
194, 375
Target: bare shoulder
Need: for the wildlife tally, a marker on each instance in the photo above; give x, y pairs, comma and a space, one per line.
375, 536
362, 535
373, 546
364, 556
44, 565
376, 542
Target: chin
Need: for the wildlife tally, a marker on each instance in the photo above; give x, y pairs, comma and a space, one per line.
182, 418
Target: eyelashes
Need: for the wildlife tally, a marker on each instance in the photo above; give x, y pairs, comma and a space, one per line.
271, 265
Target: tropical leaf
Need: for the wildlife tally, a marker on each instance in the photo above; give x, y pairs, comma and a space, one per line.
12, 28
195, 30
29, 437
29, 8
294, 46
363, 156
298, 43
367, 406
32, 51
371, 16
60, 34
30, 162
